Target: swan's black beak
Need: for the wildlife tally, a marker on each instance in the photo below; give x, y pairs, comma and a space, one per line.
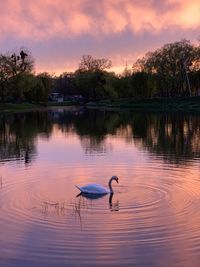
117, 180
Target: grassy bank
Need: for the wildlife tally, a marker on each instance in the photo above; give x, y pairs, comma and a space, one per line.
10, 107
189, 104
60, 104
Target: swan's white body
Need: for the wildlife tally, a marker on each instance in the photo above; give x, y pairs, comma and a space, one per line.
93, 189
98, 189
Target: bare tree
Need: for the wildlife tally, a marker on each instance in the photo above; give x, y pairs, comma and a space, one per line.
88, 63
21, 61
14, 66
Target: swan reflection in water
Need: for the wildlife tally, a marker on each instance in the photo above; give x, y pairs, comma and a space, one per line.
113, 206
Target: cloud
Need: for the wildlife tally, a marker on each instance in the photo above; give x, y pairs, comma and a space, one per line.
42, 20
59, 32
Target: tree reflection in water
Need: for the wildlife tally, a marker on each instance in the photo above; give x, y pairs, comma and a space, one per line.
174, 137
113, 206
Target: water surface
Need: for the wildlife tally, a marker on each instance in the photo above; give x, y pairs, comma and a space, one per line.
152, 219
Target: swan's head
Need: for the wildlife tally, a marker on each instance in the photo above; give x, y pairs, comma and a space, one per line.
115, 178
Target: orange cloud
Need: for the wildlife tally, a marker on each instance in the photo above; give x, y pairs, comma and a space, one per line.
38, 19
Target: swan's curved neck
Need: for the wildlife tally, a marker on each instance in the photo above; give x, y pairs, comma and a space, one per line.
110, 185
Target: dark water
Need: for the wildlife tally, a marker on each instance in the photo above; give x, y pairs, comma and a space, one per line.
153, 218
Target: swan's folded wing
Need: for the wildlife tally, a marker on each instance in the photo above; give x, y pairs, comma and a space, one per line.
93, 189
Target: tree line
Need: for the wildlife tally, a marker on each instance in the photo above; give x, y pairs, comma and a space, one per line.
170, 71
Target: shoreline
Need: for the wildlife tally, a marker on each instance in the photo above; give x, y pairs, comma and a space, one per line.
188, 105
191, 104
24, 107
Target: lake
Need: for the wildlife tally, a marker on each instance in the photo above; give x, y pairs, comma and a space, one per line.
153, 217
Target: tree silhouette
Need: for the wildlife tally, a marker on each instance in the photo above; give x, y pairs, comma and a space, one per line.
88, 63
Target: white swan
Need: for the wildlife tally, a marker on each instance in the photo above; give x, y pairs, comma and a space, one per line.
98, 189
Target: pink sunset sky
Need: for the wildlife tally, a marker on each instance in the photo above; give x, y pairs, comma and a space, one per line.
59, 32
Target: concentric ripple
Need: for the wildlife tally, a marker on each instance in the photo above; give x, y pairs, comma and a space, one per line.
135, 216
152, 219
